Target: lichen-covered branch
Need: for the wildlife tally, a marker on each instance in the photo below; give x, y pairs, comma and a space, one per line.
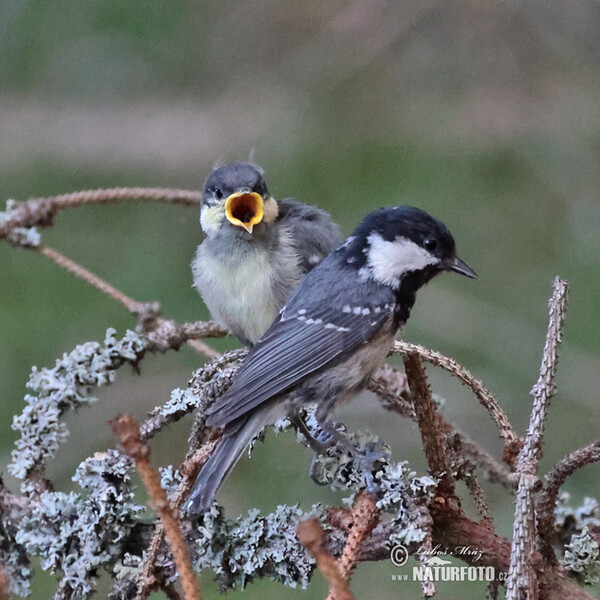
70, 384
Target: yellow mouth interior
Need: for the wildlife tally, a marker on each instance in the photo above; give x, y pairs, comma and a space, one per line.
244, 209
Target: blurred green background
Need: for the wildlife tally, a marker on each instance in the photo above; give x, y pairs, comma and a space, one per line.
486, 114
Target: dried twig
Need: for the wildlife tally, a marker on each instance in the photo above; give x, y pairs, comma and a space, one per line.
522, 578
4, 583
565, 467
312, 537
391, 387
128, 433
82, 273
463, 469
495, 471
169, 333
189, 470
429, 424
365, 517
512, 443
41, 211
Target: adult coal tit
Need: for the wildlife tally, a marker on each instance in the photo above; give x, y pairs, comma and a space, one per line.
332, 334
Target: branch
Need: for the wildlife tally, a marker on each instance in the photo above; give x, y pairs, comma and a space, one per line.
312, 537
146, 312
82, 273
564, 468
522, 578
512, 443
429, 424
391, 387
127, 431
365, 517
189, 470
41, 211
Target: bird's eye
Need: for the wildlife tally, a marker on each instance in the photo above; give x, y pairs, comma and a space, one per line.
217, 193
430, 244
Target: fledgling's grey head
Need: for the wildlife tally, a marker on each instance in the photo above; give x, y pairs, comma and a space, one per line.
393, 245
236, 197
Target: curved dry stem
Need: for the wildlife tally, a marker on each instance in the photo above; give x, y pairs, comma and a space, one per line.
146, 312
133, 306
512, 442
128, 433
312, 537
563, 469
189, 470
41, 211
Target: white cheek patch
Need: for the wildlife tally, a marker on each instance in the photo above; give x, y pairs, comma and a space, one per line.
211, 218
388, 262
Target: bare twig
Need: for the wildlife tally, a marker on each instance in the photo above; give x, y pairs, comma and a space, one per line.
41, 211
128, 433
523, 578
168, 333
494, 470
4, 583
512, 443
312, 537
565, 467
189, 470
365, 517
391, 387
429, 424
82, 273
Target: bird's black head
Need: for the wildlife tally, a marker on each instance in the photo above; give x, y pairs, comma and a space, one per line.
403, 245
236, 194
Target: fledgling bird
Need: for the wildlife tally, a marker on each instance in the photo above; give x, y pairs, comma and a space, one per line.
256, 249
333, 333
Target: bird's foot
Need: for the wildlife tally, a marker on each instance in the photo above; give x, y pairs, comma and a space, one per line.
318, 442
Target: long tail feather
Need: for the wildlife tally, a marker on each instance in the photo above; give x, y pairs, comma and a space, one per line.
236, 437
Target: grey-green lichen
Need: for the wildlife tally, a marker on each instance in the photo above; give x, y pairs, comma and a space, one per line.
66, 386
77, 534
574, 526
255, 546
13, 555
573, 519
581, 557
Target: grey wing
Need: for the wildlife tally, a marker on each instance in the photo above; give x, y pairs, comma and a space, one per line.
314, 233
297, 345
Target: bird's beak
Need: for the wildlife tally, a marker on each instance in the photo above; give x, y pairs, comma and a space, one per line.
244, 209
461, 267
